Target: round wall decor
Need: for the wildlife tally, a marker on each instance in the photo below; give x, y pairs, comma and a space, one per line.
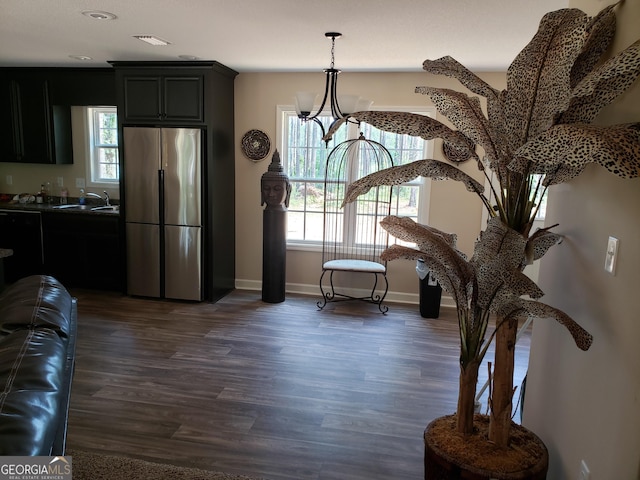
255, 145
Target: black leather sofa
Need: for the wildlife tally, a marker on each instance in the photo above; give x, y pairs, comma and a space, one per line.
38, 324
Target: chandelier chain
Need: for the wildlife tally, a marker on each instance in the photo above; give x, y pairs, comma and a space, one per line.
333, 47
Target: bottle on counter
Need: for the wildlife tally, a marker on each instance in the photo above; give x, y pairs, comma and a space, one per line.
83, 198
41, 194
46, 195
64, 195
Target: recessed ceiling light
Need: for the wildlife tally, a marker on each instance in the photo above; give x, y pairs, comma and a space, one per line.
151, 40
98, 15
188, 57
80, 57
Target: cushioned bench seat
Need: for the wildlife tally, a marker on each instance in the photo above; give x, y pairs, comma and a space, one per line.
350, 265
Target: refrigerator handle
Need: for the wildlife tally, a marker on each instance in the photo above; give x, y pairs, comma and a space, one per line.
161, 197
161, 225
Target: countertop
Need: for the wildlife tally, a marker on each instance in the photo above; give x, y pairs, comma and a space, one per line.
45, 207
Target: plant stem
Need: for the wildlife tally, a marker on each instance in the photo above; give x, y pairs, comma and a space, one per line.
467, 396
502, 394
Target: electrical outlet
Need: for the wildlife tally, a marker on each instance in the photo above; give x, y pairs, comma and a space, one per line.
60, 181
80, 182
584, 474
9, 179
612, 255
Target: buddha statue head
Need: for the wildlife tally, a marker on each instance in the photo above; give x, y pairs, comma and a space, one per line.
275, 186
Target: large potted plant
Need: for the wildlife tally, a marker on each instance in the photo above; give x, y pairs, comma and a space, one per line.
534, 134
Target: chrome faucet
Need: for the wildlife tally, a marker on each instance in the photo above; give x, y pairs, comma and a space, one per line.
107, 200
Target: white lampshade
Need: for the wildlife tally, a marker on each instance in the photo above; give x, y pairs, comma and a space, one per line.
348, 103
305, 102
363, 105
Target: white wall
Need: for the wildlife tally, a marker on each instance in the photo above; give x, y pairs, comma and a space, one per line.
586, 405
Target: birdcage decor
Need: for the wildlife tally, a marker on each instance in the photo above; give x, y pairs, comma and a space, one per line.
352, 236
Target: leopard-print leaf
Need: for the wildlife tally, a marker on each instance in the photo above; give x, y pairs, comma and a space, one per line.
541, 241
466, 115
400, 174
538, 80
407, 123
600, 32
438, 271
450, 67
497, 257
553, 174
521, 308
450, 238
562, 174
616, 148
601, 86
453, 264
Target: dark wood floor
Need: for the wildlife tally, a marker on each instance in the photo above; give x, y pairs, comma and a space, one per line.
280, 391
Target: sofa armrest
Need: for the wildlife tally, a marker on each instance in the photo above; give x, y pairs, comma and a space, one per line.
60, 441
37, 325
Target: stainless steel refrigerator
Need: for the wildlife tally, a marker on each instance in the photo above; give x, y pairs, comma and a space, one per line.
163, 212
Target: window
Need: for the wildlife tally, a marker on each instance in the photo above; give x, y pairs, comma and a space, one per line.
103, 145
304, 156
541, 198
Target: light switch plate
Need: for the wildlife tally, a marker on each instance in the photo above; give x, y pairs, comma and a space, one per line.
612, 255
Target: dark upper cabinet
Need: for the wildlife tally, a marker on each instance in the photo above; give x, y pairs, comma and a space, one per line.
7, 147
163, 98
81, 86
32, 130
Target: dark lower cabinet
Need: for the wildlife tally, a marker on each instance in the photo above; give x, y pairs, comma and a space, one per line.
21, 232
83, 250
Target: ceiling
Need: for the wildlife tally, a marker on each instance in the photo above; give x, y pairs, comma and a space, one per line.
272, 35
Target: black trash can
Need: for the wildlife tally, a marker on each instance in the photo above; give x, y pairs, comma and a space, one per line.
430, 292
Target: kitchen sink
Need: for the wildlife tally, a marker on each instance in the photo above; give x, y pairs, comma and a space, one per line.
72, 207
103, 208
107, 208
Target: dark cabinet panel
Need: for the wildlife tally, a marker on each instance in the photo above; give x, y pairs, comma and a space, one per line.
7, 140
142, 98
83, 250
32, 129
81, 86
154, 99
32, 132
22, 233
183, 98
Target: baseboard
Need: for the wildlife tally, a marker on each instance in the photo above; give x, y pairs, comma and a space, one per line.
314, 290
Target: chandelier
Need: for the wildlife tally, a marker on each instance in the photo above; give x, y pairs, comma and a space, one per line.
341, 105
